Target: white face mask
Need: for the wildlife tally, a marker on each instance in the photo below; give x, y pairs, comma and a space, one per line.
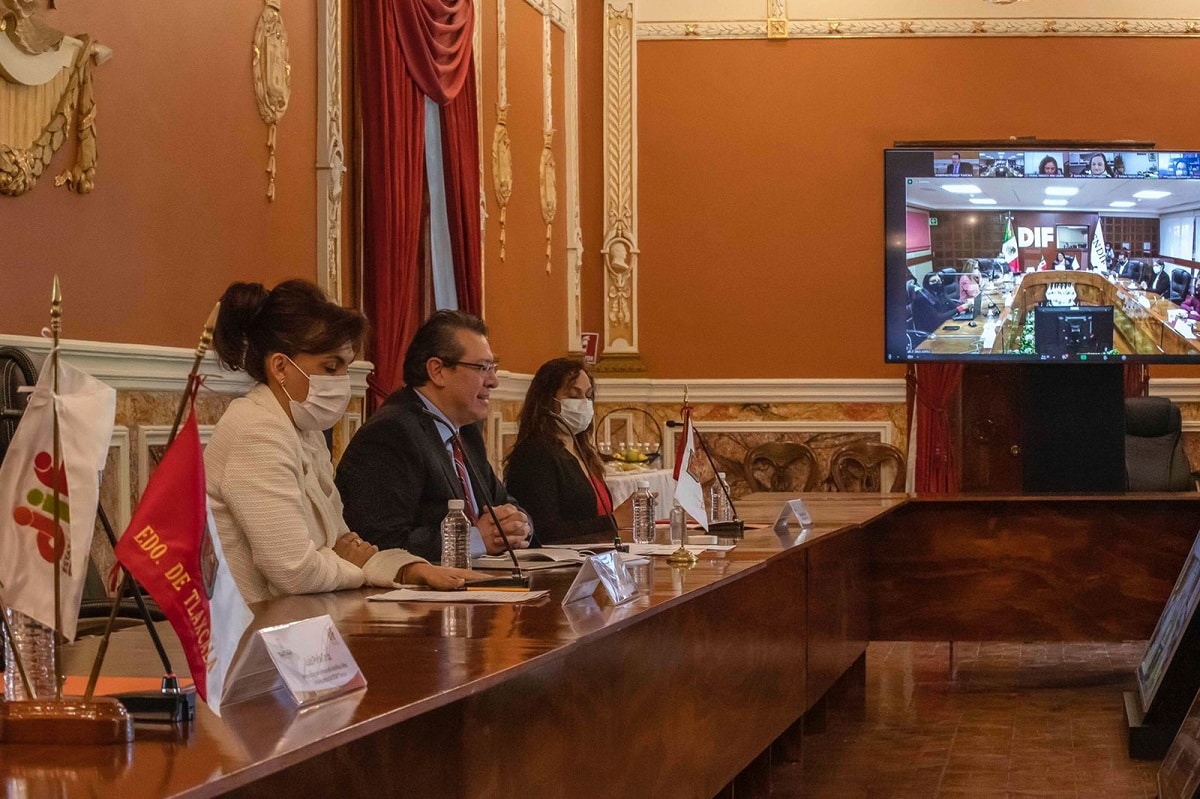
576, 414
328, 397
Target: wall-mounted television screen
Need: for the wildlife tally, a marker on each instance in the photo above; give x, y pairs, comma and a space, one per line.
976, 241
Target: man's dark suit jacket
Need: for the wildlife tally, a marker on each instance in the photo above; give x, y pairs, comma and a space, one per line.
963, 169
396, 477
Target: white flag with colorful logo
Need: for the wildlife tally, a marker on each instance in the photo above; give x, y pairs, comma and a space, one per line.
688, 491
29, 540
1099, 253
1008, 250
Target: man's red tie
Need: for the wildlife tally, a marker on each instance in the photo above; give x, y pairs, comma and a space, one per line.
460, 466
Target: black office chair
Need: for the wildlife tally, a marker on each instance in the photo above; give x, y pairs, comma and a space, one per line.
1154, 456
1181, 281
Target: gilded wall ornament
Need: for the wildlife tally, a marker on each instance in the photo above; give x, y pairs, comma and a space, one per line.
26, 148
502, 167
546, 168
272, 77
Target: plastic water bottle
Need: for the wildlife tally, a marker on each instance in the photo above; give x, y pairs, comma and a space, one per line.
718, 500
456, 552
36, 645
643, 514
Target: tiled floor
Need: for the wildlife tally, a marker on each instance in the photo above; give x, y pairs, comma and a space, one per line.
1042, 720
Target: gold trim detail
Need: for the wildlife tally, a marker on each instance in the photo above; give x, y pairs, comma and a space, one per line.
21, 167
272, 77
502, 167
620, 175
939, 27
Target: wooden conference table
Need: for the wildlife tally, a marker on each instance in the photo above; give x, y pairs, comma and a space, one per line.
671, 694
1144, 321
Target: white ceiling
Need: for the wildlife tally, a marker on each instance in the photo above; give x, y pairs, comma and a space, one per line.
1027, 194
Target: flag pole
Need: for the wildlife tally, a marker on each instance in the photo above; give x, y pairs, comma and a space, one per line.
189, 391
683, 556
206, 338
56, 473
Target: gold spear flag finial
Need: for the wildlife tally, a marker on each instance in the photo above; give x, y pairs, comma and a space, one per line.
56, 309
206, 337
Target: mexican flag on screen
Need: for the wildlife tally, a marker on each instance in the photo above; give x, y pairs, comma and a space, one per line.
1008, 250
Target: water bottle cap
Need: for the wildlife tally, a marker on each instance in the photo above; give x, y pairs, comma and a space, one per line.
643, 483
455, 504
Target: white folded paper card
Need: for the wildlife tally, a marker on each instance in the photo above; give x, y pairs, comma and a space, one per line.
796, 509
482, 595
607, 570
309, 657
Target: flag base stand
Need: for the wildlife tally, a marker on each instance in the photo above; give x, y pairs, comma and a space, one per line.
170, 705
682, 557
70, 720
733, 529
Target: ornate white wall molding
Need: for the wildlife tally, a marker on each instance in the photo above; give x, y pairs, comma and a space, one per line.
331, 152
156, 435
513, 386
822, 19
881, 428
145, 367
574, 232
546, 166
620, 181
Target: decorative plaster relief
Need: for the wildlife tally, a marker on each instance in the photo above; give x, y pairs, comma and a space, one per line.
272, 77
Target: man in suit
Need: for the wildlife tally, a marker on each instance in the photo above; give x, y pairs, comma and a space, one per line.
400, 469
956, 167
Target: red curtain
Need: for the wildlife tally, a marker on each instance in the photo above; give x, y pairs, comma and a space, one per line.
460, 165
936, 472
409, 49
435, 36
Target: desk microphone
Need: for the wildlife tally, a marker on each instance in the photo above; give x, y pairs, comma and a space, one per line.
518, 577
735, 528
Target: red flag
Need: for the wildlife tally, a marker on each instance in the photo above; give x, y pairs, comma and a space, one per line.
169, 550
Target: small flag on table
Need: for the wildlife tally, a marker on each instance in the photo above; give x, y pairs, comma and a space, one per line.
688, 491
29, 539
172, 548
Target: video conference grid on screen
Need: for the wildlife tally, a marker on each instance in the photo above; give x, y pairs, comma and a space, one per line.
1026, 255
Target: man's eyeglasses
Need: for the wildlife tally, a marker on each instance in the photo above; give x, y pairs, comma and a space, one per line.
482, 368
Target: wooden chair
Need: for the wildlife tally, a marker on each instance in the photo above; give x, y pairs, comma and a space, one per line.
859, 467
780, 457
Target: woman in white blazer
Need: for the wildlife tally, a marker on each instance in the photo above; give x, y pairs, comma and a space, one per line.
268, 471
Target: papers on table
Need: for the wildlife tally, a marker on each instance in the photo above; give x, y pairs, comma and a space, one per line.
667, 549
533, 559
482, 595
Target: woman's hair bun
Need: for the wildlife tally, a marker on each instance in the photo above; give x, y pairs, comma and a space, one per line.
240, 305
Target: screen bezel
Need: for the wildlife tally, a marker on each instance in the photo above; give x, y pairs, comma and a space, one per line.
896, 256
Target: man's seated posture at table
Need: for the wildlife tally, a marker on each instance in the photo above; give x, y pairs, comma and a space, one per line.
424, 447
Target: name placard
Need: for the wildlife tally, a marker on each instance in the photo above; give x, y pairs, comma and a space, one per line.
308, 657
608, 570
796, 509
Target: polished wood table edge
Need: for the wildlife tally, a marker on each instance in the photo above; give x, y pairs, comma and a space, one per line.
1180, 496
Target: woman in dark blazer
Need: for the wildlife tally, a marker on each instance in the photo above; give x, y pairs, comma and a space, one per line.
553, 469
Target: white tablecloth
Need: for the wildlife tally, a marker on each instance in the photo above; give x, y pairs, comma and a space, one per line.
622, 485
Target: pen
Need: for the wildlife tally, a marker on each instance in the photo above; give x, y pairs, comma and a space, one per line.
513, 590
